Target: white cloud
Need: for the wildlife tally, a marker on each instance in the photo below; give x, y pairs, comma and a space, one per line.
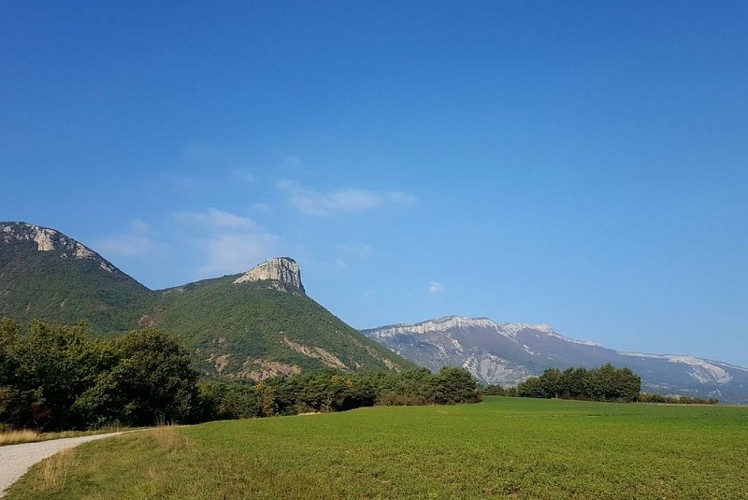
401, 198
290, 160
310, 201
262, 207
136, 242
435, 287
214, 219
231, 243
244, 176
359, 250
177, 181
235, 253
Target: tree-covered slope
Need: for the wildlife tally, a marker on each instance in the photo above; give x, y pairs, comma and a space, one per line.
253, 326
46, 275
252, 329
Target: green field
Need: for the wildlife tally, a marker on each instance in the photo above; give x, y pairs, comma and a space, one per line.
515, 447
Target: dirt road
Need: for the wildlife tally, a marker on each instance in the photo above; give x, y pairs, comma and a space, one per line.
16, 459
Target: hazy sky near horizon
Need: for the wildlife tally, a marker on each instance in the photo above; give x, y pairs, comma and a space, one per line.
582, 164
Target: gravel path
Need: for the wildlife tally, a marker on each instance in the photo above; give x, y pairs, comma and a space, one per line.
16, 459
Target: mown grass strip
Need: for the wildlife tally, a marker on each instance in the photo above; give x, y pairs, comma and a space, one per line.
504, 447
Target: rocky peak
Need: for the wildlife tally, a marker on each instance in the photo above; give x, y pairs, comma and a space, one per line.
282, 273
48, 240
45, 238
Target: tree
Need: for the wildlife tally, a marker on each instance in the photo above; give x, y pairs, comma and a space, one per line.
574, 383
14, 401
410, 387
550, 381
220, 400
453, 385
9, 331
52, 366
494, 390
265, 397
151, 382
531, 388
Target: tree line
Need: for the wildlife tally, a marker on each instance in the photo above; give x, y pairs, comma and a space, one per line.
606, 383
56, 377
329, 390
646, 397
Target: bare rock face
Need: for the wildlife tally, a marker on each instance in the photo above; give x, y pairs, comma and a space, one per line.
282, 273
49, 240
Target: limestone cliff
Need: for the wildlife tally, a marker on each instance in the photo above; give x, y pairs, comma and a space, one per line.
281, 273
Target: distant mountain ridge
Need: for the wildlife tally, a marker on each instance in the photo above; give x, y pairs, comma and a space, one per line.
252, 325
508, 353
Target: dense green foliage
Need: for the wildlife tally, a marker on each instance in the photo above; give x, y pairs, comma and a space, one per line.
152, 381
332, 391
226, 400
536, 389
60, 377
504, 447
57, 287
606, 383
255, 322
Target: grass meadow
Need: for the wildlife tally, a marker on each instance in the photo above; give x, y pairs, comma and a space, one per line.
503, 447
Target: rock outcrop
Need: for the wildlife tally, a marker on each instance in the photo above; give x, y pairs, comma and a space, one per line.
281, 273
49, 240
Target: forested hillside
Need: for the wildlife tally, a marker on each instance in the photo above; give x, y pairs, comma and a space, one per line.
246, 326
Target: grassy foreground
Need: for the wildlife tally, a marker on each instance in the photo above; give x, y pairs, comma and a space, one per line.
503, 447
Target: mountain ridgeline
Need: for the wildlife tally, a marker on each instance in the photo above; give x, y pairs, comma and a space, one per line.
247, 326
509, 353
262, 323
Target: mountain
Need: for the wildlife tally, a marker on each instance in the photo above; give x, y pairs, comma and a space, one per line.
252, 325
508, 353
47, 275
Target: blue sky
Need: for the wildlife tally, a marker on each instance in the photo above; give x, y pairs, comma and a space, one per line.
582, 164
